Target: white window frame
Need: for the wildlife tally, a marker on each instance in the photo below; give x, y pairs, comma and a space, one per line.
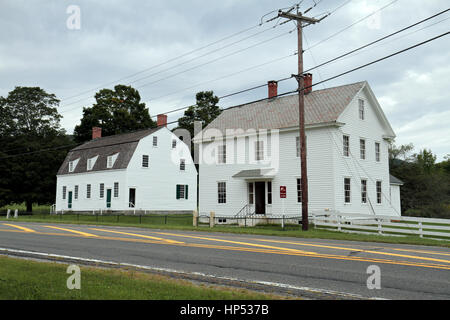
251, 193
91, 163
222, 154
380, 192
221, 192
362, 148
145, 157
361, 109
110, 160
88, 191
101, 192
182, 164
64, 192
116, 190
346, 146
377, 151
364, 191
349, 190
75, 192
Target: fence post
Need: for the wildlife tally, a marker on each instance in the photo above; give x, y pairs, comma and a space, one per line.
282, 221
8, 214
339, 222
379, 227
165, 219
420, 229
16, 213
195, 218
212, 216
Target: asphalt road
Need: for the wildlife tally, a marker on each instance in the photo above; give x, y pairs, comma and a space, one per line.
312, 265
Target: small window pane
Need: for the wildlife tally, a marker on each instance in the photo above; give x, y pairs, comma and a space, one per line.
362, 149
116, 189
102, 190
145, 161
377, 151
346, 145
363, 191
378, 191
222, 192
76, 193
88, 191
347, 187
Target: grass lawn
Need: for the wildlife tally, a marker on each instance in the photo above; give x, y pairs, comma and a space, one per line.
184, 222
25, 279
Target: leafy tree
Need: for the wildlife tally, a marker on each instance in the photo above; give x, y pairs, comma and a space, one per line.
115, 111
30, 125
205, 110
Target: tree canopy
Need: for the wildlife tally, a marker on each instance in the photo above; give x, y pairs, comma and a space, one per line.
205, 110
115, 111
33, 146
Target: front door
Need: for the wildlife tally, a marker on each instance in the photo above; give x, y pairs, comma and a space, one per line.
69, 204
260, 197
108, 198
132, 198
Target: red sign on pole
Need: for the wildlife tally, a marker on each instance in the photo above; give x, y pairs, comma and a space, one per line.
282, 191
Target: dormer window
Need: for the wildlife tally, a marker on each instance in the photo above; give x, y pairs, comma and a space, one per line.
110, 160
91, 163
73, 165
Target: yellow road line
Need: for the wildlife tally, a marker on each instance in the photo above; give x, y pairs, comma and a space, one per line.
422, 251
19, 227
137, 235
74, 231
236, 242
255, 250
356, 249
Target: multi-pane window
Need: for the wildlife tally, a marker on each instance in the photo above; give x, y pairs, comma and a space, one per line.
71, 166
75, 193
116, 189
174, 144
145, 161
182, 164
251, 192
222, 192
269, 192
110, 162
259, 150
361, 109
64, 191
362, 149
363, 191
299, 190
346, 145
347, 195
88, 191
155, 141
102, 190
222, 153
182, 191
377, 151
378, 191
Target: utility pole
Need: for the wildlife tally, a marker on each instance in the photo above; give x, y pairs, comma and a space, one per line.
301, 106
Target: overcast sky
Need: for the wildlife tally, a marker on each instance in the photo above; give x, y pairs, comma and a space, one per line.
117, 39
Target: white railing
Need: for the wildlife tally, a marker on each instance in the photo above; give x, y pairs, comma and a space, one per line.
383, 225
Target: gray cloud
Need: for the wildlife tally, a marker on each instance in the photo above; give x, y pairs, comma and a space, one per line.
119, 38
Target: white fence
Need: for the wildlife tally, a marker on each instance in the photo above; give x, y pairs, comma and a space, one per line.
383, 225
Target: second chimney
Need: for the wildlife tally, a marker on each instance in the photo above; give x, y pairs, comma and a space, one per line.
307, 83
96, 132
273, 88
162, 120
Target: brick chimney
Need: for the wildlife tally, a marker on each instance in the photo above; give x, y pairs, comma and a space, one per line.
273, 88
96, 132
162, 120
307, 81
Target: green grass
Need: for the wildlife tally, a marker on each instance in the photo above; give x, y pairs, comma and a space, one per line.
30, 280
184, 222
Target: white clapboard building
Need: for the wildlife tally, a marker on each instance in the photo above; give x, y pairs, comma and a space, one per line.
148, 171
251, 151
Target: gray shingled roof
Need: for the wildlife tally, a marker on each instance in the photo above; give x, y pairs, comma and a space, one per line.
394, 180
254, 173
124, 144
321, 106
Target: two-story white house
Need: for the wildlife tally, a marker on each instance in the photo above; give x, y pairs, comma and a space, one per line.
146, 171
251, 151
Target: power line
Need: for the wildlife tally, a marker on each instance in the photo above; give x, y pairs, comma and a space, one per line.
296, 91
351, 25
378, 40
195, 67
